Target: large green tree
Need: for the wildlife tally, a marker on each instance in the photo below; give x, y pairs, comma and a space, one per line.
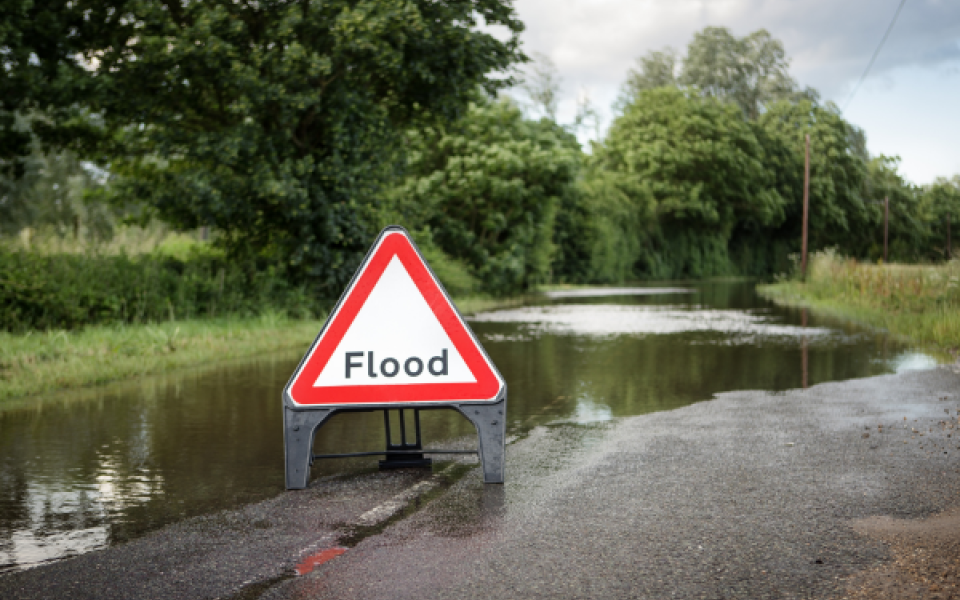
486, 189
272, 121
751, 71
43, 81
704, 168
839, 216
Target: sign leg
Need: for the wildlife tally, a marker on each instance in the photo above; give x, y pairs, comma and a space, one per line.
491, 423
299, 428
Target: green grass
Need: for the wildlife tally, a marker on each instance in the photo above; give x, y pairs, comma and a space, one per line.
37, 362
919, 303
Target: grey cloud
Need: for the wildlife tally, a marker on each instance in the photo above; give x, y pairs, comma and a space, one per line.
830, 41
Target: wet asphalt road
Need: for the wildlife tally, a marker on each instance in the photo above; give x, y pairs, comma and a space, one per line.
751, 495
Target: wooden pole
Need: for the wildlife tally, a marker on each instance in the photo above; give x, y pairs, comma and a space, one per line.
949, 250
886, 223
806, 206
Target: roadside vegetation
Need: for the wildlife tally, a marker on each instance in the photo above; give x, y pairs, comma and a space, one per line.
231, 162
38, 361
920, 303
42, 361
150, 301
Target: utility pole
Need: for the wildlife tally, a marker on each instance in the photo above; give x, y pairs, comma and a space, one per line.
806, 206
886, 223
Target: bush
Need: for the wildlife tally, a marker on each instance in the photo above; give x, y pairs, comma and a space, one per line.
68, 291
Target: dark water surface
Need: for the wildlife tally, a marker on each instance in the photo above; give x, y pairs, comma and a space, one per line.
88, 469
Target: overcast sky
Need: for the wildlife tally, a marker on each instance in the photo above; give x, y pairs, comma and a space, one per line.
909, 105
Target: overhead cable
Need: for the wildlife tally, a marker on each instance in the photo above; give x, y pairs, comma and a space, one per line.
875, 53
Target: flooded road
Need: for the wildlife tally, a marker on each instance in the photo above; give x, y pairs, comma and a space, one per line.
89, 469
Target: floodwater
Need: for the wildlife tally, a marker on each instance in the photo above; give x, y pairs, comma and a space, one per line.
89, 469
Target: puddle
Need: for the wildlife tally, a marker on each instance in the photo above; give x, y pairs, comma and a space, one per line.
84, 470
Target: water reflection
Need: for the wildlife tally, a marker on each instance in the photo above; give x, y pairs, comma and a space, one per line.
598, 292
88, 469
616, 320
589, 411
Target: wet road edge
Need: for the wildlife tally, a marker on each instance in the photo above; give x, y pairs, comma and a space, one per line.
387, 518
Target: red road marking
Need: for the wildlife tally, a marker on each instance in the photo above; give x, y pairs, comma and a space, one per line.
312, 562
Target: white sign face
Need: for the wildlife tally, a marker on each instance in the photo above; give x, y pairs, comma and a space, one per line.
395, 339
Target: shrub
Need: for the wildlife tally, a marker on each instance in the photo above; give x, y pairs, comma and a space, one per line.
68, 291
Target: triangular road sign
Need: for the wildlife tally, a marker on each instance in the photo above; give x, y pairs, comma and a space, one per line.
394, 337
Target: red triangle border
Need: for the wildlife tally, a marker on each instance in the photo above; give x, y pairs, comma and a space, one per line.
394, 242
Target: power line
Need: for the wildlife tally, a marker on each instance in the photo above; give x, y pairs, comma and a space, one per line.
875, 53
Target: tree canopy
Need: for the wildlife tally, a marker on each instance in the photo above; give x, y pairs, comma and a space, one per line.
270, 121
700, 163
292, 129
941, 205
751, 71
486, 190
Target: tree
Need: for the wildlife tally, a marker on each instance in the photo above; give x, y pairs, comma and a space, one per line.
542, 85
41, 81
908, 231
618, 223
587, 117
486, 190
657, 69
750, 71
52, 196
704, 168
274, 121
941, 205
838, 171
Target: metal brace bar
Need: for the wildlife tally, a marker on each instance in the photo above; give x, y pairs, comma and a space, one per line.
300, 428
381, 453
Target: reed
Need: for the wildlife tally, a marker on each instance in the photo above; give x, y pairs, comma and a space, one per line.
920, 303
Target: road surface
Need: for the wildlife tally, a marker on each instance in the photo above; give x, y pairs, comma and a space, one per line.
835, 491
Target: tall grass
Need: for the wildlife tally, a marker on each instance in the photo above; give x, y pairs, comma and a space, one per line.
916, 302
130, 240
37, 362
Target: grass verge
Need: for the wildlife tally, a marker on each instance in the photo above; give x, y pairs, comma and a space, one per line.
38, 362
919, 303
44, 361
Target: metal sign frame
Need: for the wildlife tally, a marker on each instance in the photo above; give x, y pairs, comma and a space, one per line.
302, 421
